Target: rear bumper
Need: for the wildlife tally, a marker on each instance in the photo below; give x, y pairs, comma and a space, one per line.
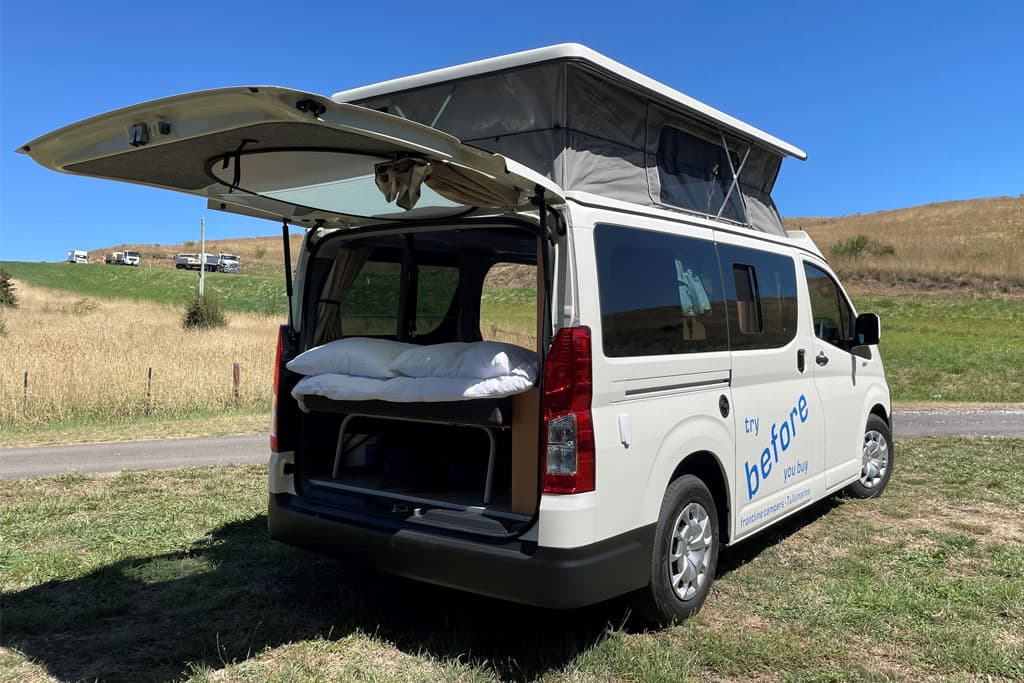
558, 578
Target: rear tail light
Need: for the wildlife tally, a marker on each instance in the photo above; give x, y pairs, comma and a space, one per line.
569, 429
277, 384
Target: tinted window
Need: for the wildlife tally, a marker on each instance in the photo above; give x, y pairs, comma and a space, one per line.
660, 294
762, 297
831, 311
369, 306
695, 173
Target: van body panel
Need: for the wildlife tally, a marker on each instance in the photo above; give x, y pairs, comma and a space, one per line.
569, 521
780, 425
702, 432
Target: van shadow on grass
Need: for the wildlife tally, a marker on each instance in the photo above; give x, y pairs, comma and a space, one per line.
236, 593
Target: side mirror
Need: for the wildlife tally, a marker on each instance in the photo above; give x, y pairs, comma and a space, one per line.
867, 329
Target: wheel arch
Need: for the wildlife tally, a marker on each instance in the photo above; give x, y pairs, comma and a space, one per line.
708, 468
879, 410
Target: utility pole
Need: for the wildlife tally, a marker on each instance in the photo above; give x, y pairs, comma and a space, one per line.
202, 255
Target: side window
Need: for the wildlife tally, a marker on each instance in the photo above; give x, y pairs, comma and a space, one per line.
831, 311
434, 294
508, 305
360, 294
659, 293
762, 297
370, 305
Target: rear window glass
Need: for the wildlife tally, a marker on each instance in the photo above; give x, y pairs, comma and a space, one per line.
659, 293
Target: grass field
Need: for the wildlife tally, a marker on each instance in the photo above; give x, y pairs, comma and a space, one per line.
974, 243
242, 293
938, 348
88, 360
88, 356
154, 575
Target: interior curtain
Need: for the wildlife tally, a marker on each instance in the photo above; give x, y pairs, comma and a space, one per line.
347, 265
400, 181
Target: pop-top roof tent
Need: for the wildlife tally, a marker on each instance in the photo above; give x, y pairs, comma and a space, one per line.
593, 125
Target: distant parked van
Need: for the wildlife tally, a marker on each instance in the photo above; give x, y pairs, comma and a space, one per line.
687, 374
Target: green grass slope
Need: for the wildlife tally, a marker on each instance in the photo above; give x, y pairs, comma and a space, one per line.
246, 293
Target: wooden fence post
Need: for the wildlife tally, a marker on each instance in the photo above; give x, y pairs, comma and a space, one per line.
236, 380
24, 395
149, 391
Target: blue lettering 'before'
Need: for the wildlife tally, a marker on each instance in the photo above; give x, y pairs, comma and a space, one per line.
781, 435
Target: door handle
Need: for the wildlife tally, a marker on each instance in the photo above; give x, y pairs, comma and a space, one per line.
821, 358
801, 357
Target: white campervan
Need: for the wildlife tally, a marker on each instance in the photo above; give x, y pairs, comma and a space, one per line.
686, 372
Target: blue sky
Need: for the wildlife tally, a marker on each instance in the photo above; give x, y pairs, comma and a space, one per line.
897, 103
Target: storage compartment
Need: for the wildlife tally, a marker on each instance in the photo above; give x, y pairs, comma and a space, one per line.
455, 476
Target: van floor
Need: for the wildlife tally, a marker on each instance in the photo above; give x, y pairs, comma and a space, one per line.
500, 505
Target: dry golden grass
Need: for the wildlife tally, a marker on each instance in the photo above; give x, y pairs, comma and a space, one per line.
89, 358
948, 243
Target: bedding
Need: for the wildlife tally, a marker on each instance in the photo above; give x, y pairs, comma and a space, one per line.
469, 360
360, 356
364, 369
341, 387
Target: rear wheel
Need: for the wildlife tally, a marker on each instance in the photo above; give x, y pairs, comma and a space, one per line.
685, 553
876, 460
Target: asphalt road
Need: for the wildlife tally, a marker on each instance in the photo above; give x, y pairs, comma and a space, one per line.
21, 463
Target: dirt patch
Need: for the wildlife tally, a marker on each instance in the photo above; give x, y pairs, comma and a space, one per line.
985, 520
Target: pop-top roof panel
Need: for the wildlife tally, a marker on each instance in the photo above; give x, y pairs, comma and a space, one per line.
659, 92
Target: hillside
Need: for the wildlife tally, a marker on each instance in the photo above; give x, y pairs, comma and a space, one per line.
977, 243
259, 255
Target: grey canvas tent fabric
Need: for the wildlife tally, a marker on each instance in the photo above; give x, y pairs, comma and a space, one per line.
589, 132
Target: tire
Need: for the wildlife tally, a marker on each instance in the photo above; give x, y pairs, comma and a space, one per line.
678, 587
876, 462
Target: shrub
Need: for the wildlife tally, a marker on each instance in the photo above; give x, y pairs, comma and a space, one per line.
860, 246
7, 295
203, 313
261, 252
3, 327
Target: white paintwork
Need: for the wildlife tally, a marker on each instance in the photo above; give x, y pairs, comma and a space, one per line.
666, 426
668, 96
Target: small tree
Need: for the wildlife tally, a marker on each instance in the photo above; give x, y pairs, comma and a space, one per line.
203, 313
7, 296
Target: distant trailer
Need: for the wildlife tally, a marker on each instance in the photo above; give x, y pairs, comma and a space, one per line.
77, 256
186, 261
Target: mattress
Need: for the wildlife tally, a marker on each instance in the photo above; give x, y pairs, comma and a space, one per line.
339, 387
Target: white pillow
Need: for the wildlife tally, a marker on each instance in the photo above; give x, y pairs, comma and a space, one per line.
469, 360
359, 356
